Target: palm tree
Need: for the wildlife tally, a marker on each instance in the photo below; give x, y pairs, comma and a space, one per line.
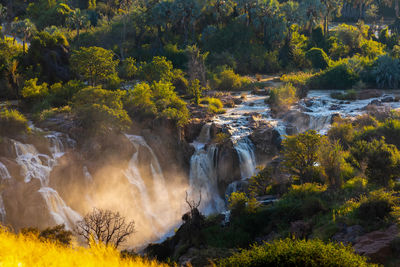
77, 20
26, 28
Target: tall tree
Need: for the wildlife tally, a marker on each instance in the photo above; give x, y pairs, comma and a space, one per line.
333, 8
26, 28
77, 20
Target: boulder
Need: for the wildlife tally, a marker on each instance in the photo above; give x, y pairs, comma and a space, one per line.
348, 235
228, 166
300, 229
366, 94
387, 99
266, 139
377, 244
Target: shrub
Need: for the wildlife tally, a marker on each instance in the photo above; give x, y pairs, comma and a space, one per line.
340, 76
215, 105
387, 72
100, 111
229, 81
318, 58
12, 122
300, 153
138, 101
342, 132
282, 98
128, 68
159, 69
348, 95
298, 79
240, 204
290, 252
355, 186
377, 207
32, 91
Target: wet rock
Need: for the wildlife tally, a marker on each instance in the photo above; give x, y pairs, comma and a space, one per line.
334, 107
298, 120
193, 129
366, 94
228, 166
388, 99
237, 101
309, 102
13, 168
377, 245
348, 235
266, 139
25, 206
376, 102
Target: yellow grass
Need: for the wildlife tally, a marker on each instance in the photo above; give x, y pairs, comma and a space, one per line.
21, 251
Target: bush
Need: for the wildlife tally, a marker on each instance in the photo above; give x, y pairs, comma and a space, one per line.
290, 252
387, 72
348, 95
12, 122
32, 91
159, 69
298, 79
342, 132
100, 111
282, 98
240, 204
318, 58
340, 76
215, 105
229, 81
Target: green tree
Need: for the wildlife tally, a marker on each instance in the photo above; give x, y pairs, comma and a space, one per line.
300, 154
100, 111
195, 90
159, 69
32, 90
380, 161
95, 64
139, 101
26, 28
318, 58
332, 159
259, 183
77, 20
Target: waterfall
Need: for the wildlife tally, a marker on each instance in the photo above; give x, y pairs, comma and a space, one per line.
38, 166
4, 174
247, 158
203, 174
155, 200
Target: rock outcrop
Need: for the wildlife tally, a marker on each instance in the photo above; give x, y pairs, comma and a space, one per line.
377, 244
266, 139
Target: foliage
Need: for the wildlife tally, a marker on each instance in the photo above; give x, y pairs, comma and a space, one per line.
139, 101
214, 105
12, 122
94, 64
159, 69
240, 204
332, 159
32, 90
348, 95
318, 58
260, 183
299, 252
56, 234
195, 91
300, 154
128, 68
387, 72
342, 132
339, 76
228, 80
100, 111
380, 160
298, 79
30, 251
282, 98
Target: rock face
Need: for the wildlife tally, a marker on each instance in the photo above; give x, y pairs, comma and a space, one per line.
376, 245
348, 235
25, 206
228, 166
266, 139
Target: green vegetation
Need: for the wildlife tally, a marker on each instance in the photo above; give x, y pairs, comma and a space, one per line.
282, 98
303, 253
12, 123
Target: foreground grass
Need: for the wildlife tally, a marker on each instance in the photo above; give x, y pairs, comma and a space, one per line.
20, 250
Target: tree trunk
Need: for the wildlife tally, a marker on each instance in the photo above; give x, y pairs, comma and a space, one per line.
396, 8
361, 6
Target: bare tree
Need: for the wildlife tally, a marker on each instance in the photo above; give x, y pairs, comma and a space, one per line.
105, 226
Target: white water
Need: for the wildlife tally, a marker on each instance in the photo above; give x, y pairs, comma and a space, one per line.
154, 201
38, 166
247, 158
203, 174
4, 174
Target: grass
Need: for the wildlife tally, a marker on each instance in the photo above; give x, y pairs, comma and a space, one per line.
20, 250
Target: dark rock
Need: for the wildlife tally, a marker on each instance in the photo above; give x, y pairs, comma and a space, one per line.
387, 99
377, 245
376, 102
266, 139
300, 229
348, 235
237, 101
334, 107
228, 166
366, 94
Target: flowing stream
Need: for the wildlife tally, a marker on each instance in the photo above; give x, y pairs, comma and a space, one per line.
36, 165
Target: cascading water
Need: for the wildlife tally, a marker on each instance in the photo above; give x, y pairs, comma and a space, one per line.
38, 166
4, 175
153, 200
247, 158
203, 174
